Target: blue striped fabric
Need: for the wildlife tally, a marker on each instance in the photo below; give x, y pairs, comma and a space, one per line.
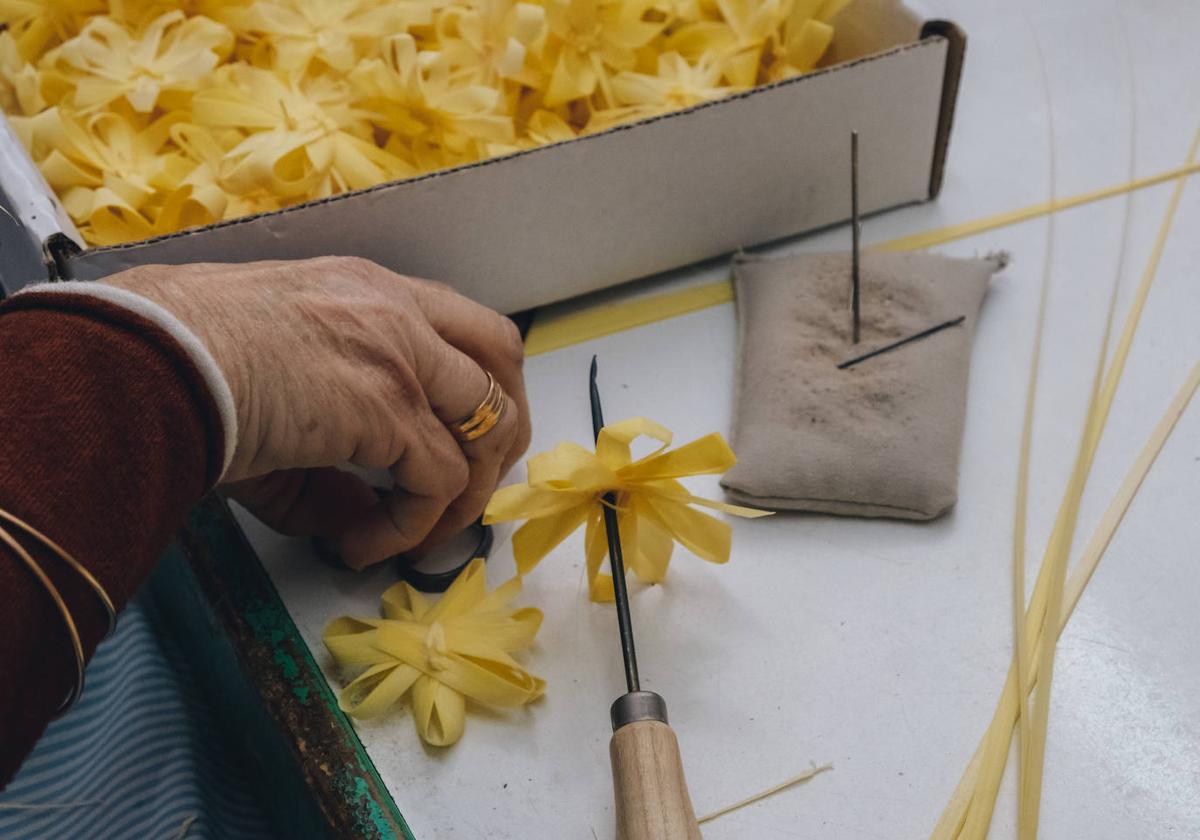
137, 757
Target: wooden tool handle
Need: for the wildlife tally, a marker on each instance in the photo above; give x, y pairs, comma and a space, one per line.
651, 794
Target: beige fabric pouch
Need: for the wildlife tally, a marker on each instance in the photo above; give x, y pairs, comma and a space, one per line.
880, 438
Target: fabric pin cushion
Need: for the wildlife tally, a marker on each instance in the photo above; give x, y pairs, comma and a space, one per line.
817, 429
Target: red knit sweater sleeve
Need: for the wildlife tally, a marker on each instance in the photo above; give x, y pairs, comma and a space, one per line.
109, 434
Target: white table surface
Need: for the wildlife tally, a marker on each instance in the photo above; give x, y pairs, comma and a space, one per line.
882, 646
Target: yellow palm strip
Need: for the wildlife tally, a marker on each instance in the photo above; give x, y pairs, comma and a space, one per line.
968, 814
1058, 551
554, 332
799, 778
993, 748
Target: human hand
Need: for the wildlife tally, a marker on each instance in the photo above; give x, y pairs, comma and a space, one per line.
335, 360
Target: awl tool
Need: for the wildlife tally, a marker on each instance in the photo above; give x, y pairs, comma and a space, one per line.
652, 801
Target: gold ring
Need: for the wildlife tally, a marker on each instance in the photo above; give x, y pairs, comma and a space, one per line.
485, 417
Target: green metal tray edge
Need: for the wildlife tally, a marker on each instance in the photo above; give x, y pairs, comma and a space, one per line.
314, 777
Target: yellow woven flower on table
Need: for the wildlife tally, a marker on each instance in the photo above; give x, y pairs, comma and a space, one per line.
441, 654
592, 39
491, 39
107, 61
433, 114
304, 138
566, 486
335, 32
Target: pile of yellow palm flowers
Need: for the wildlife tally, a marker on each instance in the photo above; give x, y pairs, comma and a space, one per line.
148, 116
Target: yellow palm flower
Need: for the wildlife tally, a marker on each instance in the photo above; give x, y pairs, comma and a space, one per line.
739, 38
441, 654
20, 81
137, 14
685, 11
304, 139
677, 84
566, 489
415, 96
802, 47
335, 32
112, 175
39, 24
546, 127
804, 38
490, 39
593, 38
106, 61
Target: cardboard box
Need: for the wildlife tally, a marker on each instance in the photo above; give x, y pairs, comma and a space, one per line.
558, 221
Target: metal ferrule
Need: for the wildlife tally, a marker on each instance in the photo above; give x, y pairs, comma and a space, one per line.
635, 706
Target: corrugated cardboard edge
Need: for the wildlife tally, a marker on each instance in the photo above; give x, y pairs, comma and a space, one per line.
956, 51
940, 144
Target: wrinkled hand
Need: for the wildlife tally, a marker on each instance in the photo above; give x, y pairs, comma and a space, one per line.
336, 360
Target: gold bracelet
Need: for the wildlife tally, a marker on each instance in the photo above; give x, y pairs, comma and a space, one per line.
67, 558
72, 628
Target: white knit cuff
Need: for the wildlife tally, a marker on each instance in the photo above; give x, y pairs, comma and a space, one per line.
218, 387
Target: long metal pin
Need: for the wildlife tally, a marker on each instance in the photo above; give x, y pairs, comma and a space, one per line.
855, 231
887, 348
615, 556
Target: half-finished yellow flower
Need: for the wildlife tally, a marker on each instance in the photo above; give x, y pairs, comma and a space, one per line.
566, 487
444, 653
172, 54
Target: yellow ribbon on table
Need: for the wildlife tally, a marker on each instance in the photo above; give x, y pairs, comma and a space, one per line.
441, 654
566, 487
